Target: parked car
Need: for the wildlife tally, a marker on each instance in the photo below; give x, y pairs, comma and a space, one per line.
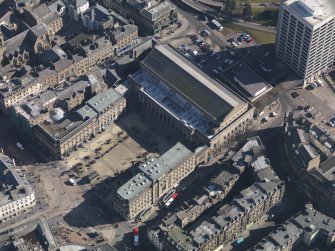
308, 108
294, 94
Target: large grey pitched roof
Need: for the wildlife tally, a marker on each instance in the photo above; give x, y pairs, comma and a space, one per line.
26, 39
216, 100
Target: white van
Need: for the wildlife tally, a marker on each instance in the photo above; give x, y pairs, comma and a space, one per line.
319, 82
73, 182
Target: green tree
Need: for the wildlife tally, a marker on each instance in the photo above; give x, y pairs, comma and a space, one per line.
230, 5
247, 11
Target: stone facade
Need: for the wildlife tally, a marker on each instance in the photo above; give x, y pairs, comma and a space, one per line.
155, 178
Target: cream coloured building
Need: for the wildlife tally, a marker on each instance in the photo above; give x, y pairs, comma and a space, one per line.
16, 195
201, 110
60, 134
155, 178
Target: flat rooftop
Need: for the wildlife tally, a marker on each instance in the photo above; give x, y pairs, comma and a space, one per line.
313, 12
192, 83
250, 81
69, 125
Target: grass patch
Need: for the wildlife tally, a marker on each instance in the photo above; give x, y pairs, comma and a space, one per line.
261, 37
265, 16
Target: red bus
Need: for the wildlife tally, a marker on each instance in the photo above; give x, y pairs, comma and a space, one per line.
136, 236
173, 197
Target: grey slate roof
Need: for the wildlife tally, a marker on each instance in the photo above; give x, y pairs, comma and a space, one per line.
187, 79
167, 162
104, 99
152, 170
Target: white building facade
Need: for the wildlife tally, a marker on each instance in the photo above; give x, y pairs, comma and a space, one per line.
306, 37
16, 195
17, 207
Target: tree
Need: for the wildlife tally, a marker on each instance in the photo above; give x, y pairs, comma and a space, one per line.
247, 11
230, 5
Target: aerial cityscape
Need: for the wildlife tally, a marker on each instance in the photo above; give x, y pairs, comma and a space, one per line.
167, 125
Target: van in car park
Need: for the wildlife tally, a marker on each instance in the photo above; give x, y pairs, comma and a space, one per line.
72, 182
234, 44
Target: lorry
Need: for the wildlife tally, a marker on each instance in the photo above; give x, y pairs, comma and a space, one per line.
217, 25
